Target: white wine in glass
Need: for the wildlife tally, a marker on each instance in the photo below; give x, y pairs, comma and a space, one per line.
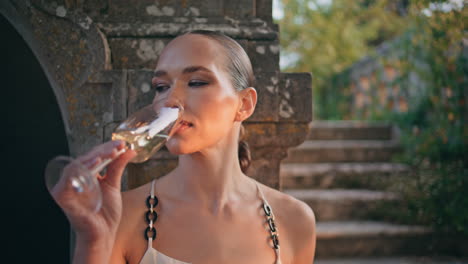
147, 137
145, 131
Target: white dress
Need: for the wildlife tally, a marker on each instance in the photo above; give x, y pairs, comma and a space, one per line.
152, 256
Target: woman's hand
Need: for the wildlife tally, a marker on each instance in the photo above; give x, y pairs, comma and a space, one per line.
98, 228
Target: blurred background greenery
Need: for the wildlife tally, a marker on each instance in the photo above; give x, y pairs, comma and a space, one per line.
403, 61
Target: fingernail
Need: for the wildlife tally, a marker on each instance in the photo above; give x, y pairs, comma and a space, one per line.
122, 151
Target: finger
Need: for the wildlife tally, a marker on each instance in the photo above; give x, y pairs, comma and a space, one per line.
103, 151
116, 168
90, 163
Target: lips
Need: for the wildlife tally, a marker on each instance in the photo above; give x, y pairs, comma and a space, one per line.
182, 126
185, 123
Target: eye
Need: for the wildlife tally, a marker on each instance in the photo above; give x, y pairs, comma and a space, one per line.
161, 87
197, 83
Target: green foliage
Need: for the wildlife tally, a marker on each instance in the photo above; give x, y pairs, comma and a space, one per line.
329, 38
436, 196
435, 129
434, 124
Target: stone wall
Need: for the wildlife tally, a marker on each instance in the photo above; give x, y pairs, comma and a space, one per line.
99, 57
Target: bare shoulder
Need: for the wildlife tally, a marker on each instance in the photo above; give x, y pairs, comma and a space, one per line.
131, 222
288, 207
133, 202
134, 196
297, 220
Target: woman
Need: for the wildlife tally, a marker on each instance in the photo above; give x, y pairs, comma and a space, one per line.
209, 210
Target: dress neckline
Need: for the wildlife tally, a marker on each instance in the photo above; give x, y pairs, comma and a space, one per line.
150, 232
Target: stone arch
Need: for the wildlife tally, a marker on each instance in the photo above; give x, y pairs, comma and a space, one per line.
35, 129
23, 29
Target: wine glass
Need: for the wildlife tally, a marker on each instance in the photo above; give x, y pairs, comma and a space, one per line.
145, 131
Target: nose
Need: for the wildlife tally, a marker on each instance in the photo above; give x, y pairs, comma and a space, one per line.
173, 97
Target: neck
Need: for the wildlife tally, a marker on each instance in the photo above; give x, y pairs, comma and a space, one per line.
212, 178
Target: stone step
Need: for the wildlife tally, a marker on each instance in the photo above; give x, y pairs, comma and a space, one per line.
367, 239
349, 130
339, 175
342, 205
322, 151
396, 260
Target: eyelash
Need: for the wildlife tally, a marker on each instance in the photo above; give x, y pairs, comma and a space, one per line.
163, 87
160, 87
197, 83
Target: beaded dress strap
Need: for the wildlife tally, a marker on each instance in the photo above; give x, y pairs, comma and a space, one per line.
270, 219
151, 216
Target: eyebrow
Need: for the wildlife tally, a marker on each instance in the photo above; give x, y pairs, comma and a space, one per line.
186, 70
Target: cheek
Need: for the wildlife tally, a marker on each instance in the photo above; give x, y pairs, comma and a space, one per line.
214, 115
217, 122
214, 104
217, 112
214, 120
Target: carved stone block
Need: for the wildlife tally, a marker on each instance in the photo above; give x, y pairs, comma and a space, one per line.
150, 9
264, 55
140, 92
267, 84
294, 88
136, 53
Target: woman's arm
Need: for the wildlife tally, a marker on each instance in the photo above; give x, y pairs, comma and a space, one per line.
93, 251
306, 236
299, 222
96, 231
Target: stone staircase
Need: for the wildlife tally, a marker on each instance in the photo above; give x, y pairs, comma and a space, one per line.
341, 171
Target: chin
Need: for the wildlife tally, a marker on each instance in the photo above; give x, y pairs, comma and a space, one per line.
178, 147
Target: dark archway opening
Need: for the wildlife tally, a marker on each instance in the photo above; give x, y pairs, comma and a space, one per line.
32, 133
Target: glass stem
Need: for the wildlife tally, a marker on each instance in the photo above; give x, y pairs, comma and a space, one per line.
106, 162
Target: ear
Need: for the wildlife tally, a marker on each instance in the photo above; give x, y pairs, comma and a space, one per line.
248, 101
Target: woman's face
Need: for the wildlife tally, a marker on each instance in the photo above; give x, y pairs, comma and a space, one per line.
191, 69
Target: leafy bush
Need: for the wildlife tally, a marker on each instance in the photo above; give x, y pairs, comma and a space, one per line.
435, 128
434, 119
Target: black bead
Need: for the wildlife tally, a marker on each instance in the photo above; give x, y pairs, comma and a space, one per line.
152, 201
267, 209
153, 232
151, 216
275, 241
272, 225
